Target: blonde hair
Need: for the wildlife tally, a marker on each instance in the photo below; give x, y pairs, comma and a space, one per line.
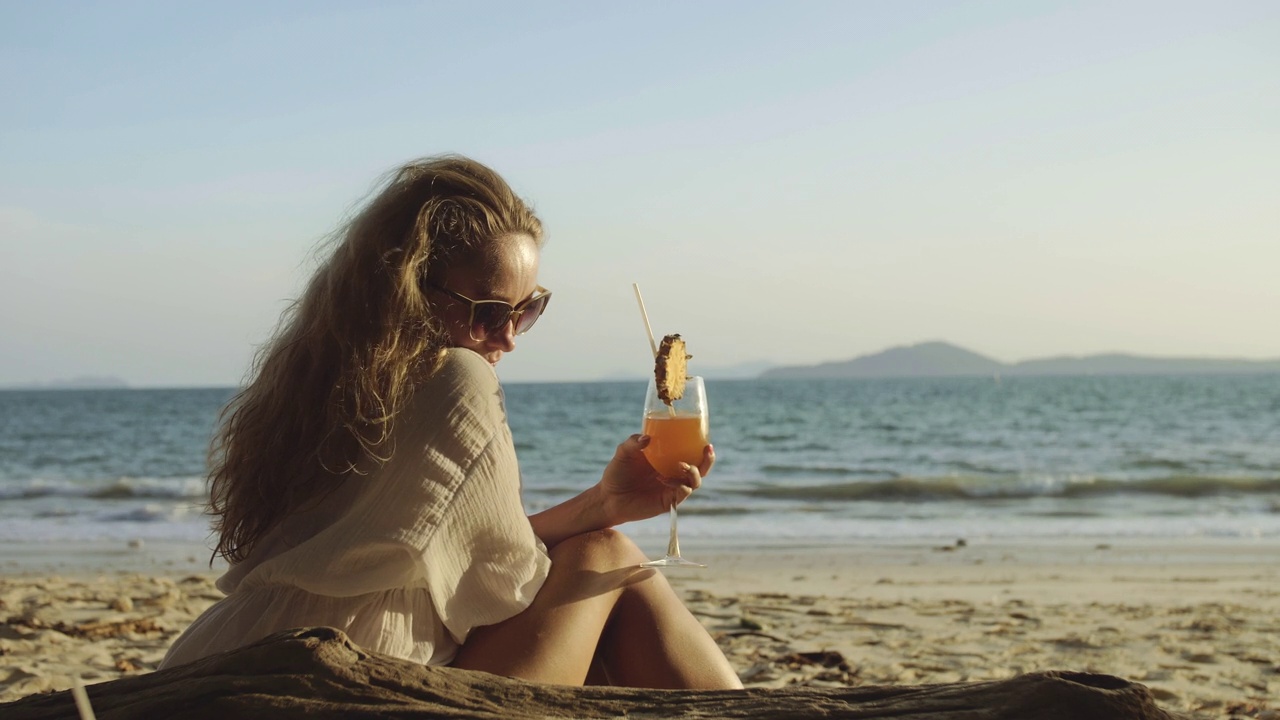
325, 390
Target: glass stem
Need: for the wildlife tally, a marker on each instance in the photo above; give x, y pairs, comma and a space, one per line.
673, 543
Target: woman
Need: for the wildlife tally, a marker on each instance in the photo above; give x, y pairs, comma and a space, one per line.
366, 478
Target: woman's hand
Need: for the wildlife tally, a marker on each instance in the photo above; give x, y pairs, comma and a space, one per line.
632, 490
629, 490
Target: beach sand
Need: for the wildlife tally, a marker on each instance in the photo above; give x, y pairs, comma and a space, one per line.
1197, 621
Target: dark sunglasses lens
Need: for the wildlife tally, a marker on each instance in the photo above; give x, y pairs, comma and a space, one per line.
489, 317
530, 313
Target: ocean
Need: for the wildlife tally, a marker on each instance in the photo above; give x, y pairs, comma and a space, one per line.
800, 461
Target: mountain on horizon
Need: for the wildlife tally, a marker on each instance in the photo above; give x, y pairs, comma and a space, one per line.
929, 359
942, 359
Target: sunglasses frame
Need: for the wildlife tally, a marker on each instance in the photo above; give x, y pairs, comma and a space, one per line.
513, 316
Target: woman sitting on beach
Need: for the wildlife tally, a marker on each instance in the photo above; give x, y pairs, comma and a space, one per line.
366, 479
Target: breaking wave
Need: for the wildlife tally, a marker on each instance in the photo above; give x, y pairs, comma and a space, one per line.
981, 489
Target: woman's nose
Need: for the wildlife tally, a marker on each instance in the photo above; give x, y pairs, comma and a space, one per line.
504, 339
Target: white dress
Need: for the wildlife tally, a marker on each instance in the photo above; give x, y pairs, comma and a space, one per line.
407, 559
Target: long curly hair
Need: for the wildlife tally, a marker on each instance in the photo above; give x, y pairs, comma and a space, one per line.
324, 392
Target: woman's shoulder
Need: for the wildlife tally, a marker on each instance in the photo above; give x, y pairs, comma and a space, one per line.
453, 418
462, 380
458, 373
460, 365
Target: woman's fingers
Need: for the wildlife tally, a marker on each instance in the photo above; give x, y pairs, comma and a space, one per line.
631, 446
691, 479
630, 453
678, 494
708, 459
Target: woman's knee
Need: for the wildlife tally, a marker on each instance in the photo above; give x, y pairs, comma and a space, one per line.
606, 549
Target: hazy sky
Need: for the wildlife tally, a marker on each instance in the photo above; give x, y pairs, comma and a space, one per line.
788, 181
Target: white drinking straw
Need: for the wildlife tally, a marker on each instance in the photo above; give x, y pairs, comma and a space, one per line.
649, 329
652, 345
82, 701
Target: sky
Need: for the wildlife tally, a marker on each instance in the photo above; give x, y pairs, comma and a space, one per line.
790, 183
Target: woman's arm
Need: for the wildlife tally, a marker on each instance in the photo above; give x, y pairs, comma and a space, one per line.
630, 489
577, 515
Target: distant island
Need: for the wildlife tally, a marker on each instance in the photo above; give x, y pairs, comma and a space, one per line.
86, 382
941, 359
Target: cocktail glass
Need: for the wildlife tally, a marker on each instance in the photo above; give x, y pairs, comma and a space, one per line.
678, 433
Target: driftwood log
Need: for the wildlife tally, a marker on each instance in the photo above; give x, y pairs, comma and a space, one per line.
320, 673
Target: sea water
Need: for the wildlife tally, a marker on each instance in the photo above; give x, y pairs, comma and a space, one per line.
799, 461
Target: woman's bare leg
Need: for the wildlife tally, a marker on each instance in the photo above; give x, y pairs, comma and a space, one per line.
653, 641
597, 604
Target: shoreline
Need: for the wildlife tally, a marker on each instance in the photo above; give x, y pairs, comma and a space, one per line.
78, 558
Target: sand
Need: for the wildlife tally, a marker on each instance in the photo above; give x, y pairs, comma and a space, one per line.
1197, 620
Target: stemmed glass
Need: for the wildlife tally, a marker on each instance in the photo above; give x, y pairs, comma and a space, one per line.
677, 433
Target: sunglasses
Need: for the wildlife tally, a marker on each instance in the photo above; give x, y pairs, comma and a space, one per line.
486, 317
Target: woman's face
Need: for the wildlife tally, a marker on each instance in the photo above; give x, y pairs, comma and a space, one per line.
509, 272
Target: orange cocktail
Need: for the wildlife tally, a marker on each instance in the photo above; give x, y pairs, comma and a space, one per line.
673, 439
678, 431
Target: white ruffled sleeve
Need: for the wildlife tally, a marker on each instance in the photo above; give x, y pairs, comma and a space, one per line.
473, 545
442, 515
408, 557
